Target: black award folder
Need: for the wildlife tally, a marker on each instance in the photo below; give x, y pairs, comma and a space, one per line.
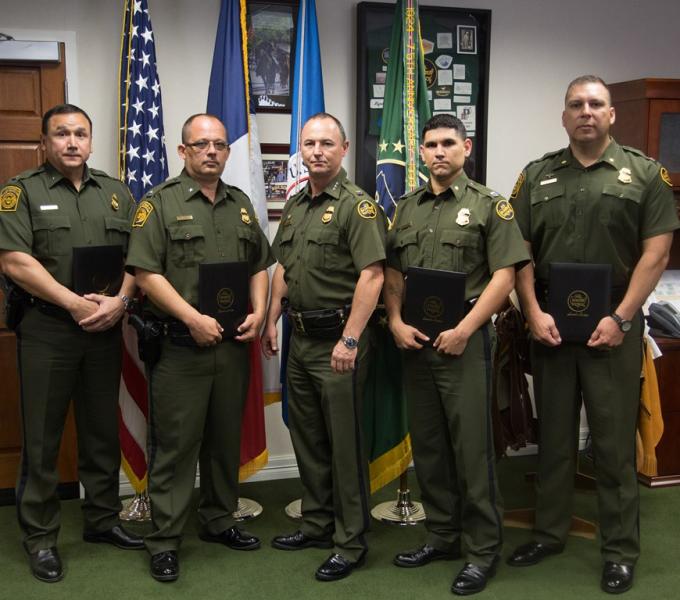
98, 269
579, 296
435, 300
223, 293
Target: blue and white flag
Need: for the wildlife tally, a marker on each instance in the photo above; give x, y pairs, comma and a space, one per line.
143, 162
307, 90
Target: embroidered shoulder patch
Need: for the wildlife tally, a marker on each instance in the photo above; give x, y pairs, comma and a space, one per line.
518, 185
504, 210
144, 209
366, 209
664, 175
9, 198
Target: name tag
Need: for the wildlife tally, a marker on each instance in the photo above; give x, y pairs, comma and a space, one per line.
49, 207
547, 181
185, 217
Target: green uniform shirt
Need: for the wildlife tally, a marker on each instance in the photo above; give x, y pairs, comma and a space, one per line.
596, 214
43, 215
468, 228
176, 228
324, 242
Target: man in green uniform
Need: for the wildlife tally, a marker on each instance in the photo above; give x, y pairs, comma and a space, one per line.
199, 386
330, 248
593, 202
453, 223
69, 346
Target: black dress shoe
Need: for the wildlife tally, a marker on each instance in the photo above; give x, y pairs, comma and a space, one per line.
532, 554
472, 579
616, 578
336, 567
46, 565
299, 541
116, 536
165, 566
233, 538
422, 556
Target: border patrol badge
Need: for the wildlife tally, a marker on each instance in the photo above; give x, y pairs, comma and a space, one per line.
9, 198
366, 209
663, 172
504, 210
518, 185
114, 202
144, 209
463, 217
624, 175
328, 215
245, 217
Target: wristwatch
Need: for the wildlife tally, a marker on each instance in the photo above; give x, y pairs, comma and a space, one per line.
624, 325
350, 342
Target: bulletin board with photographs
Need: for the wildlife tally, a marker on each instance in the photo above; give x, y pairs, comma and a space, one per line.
271, 53
456, 52
275, 168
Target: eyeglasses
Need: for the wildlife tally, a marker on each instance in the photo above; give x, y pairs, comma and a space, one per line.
202, 145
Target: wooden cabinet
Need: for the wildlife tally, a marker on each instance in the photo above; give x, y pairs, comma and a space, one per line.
648, 118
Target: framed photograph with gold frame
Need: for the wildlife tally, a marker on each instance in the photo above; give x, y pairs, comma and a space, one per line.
275, 168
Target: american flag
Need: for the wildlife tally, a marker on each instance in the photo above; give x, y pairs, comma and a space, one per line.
142, 164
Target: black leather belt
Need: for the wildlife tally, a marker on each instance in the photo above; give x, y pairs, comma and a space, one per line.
52, 310
180, 335
325, 323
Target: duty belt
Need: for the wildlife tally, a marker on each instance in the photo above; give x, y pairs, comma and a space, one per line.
180, 335
325, 323
52, 310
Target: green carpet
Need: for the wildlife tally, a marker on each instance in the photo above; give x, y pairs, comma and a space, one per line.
209, 571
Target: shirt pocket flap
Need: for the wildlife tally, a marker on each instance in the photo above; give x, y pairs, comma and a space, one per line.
622, 191
324, 236
247, 234
117, 224
459, 238
51, 223
287, 234
186, 232
547, 193
406, 238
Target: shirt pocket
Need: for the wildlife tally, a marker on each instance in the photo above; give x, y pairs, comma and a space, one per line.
548, 207
460, 250
187, 245
285, 245
406, 246
117, 232
247, 243
52, 235
620, 206
322, 248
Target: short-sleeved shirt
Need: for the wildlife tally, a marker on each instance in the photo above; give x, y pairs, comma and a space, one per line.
596, 214
324, 242
468, 228
42, 214
176, 228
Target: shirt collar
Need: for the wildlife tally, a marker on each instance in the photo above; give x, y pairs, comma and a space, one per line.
56, 176
332, 189
191, 188
457, 188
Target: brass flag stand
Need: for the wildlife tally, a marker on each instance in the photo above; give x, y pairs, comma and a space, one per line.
403, 511
137, 508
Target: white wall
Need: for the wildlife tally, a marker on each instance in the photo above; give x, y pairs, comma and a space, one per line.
537, 47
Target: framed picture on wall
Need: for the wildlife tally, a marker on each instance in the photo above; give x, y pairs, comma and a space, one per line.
271, 50
456, 53
275, 167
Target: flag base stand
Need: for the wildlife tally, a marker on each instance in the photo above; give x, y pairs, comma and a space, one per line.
247, 509
401, 512
294, 509
137, 508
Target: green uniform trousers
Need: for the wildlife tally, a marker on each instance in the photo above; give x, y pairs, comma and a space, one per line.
449, 409
325, 427
197, 399
58, 361
608, 383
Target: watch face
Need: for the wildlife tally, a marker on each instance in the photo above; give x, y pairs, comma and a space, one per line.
626, 326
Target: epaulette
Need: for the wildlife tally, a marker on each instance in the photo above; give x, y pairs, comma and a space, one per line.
28, 173
637, 152
482, 189
546, 156
100, 173
161, 186
415, 192
233, 188
355, 190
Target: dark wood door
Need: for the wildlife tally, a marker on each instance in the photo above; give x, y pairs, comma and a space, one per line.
27, 90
